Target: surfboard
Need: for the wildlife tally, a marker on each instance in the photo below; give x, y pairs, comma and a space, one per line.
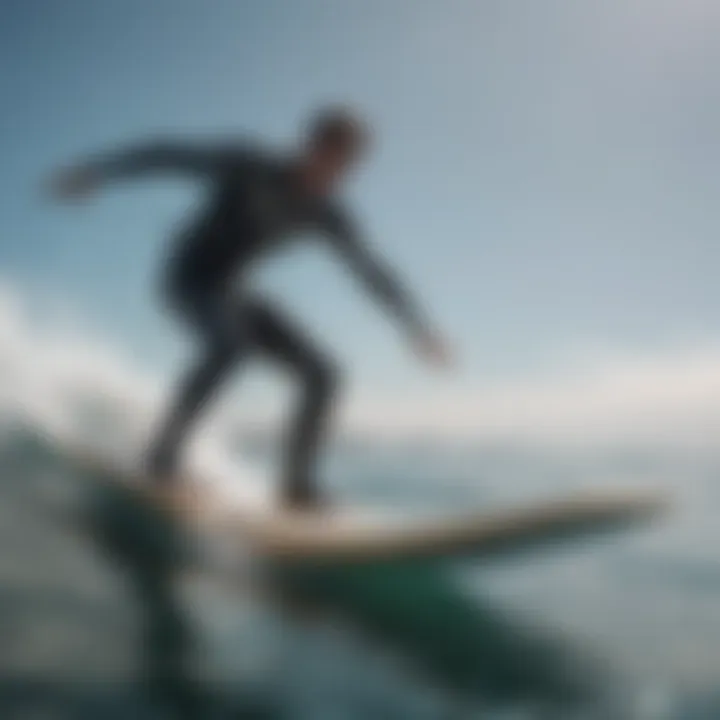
345, 535
383, 573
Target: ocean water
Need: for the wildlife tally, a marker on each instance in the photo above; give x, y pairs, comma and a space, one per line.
619, 626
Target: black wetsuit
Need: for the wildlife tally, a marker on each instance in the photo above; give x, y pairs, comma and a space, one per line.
256, 205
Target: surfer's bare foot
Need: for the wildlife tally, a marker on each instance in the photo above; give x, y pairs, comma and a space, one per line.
305, 498
166, 482
178, 493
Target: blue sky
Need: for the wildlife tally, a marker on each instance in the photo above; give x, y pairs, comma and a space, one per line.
545, 174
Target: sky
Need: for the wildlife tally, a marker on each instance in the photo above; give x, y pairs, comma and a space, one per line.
544, 179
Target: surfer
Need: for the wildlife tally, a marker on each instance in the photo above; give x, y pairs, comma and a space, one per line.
259, 199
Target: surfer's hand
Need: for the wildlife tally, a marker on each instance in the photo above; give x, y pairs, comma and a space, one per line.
73, 183
433, 349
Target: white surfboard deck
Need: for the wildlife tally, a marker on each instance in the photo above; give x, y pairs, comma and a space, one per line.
352, 535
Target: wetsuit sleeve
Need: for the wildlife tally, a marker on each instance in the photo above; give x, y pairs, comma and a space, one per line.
373, 272
166, 157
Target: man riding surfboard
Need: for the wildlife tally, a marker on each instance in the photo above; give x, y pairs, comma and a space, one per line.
259, 201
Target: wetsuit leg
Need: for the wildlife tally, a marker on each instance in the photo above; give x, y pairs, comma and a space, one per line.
220, 326
276, 337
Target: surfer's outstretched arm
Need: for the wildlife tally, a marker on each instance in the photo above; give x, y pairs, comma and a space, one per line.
386, 286
158, 156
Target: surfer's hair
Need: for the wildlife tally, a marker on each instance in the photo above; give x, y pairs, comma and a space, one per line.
338, 128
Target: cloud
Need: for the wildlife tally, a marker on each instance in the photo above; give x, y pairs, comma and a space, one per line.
73, 382
612, 399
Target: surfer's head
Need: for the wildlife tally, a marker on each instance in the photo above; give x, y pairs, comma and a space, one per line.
336, 140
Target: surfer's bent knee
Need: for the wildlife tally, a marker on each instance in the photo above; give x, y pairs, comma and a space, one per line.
322, 378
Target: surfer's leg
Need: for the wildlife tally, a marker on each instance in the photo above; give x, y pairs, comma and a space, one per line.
276, 336
223, 342
193, 392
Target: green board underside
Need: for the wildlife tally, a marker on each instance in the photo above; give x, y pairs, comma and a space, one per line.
450, 635
414, 608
